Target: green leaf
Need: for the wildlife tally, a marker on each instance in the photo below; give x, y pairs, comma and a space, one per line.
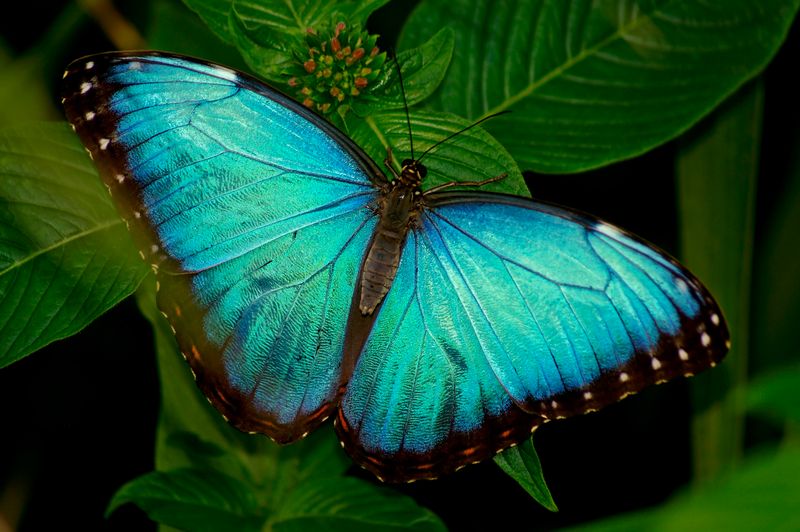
471, 156
423, 69
65, 255
774, 395
216, 14
195, 38
717, 173
761, 495
349, 504
590, 83
522, 464
266, 32
192, 499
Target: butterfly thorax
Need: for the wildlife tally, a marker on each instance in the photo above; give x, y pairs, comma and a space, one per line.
398, 211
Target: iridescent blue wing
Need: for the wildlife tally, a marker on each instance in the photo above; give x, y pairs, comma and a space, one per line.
254, 214
506, 312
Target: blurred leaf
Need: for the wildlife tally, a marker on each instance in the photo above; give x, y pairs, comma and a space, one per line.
762, 495
192, 499
423, 69
590, 83
775, 395
471, 156
65, 255
522, 464
265, 32
776, 292
22, 82
717, 174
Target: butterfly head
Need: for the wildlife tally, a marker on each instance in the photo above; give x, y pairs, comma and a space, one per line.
412, 173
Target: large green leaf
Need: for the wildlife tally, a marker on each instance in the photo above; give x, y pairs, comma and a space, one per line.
266, 31
590, 83
423, 69
65, 255
192, 499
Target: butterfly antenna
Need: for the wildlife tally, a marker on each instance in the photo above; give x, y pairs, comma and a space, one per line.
484, 119
405, 106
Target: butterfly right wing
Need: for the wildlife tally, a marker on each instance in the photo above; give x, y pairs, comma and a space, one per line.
254, 215
506, 312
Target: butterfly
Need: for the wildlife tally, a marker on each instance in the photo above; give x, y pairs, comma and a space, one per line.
438, 327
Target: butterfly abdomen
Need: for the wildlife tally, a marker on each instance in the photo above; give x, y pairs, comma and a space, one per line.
383, 257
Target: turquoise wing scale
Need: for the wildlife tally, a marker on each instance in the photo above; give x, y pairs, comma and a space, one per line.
254, 216
505, 313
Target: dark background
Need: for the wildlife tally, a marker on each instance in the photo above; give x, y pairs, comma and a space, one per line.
77, 419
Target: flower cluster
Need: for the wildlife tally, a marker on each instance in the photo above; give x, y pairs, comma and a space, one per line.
336, 68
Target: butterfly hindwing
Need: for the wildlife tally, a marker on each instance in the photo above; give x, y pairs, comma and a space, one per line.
506, 312
254, 214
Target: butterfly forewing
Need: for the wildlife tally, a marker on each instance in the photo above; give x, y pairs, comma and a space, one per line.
254, 215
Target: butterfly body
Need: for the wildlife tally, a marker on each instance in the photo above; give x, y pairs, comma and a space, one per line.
436, 327
399, 209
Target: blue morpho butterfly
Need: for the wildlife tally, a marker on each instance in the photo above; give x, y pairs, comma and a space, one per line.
438, 326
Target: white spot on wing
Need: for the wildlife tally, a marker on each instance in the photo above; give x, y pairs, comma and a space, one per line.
607, 230
683, 355
656, 364
715, 319
153, 248
89, 65
120, 178
104, 143
682, 286
226, 73
85, 87
624, 377
89, 115
65, 74
705, 339
587, 395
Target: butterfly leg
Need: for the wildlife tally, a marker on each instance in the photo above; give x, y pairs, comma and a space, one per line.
449, 184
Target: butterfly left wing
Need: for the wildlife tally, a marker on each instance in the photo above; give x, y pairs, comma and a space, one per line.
254, 215
506, 312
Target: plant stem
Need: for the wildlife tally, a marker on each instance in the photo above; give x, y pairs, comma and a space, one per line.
717, 169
